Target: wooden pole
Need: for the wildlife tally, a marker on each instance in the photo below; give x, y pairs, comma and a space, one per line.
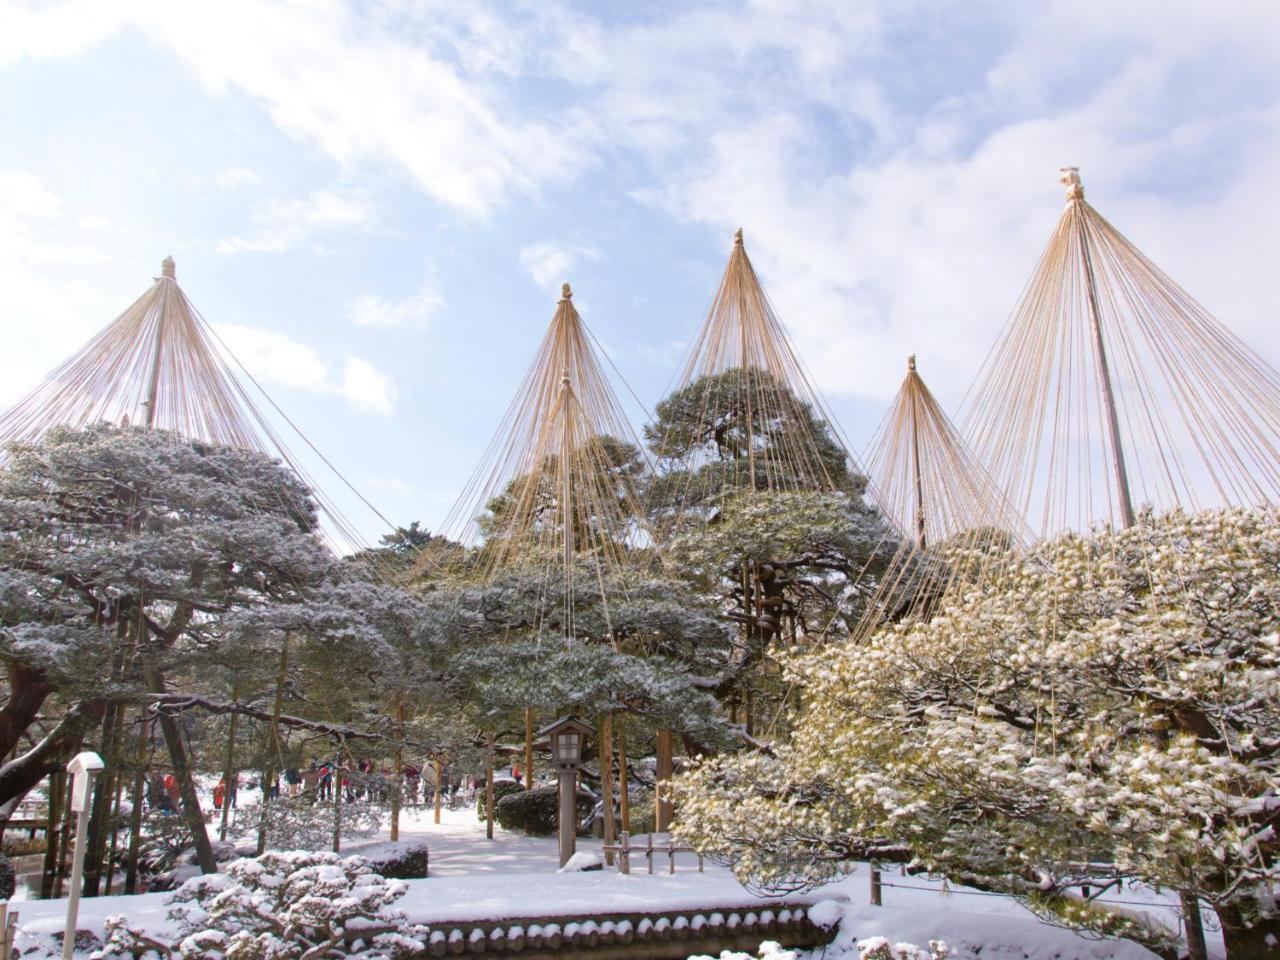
439, 788
624, 782
528, 748
337, 801
1075, 194
57, 780
606, 782
662, 803
567, 813
915, 460
395, 791
488, 788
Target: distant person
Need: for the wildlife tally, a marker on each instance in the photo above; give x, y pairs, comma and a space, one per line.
293, 780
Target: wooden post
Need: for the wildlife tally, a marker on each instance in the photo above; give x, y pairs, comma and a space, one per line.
57, 780
439, 788
528, 748
64, 841
606, 783
488, 788
1075, 195
875, 885
568, 813
624, 781
395, 791
662, 805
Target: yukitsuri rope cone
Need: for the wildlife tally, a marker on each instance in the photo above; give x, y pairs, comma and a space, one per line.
554, 501
1111, 388
742, 359
762, 432
929, 483
558, 477
159, 364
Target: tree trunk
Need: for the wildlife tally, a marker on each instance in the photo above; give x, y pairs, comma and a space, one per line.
276, 708
182, 773
28, 690
395, 790
145, 729
1196, 949
21, 774
230, 775
96, 842
1248, 942
114, 821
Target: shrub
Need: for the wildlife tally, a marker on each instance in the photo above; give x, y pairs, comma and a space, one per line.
537, 811
501, 788
401, 860
8, 878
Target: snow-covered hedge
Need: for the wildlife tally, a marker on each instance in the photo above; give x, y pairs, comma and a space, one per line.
537, 811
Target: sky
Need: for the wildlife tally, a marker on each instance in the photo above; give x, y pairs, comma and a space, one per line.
375, 203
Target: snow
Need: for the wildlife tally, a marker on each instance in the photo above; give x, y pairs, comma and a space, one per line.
513, 877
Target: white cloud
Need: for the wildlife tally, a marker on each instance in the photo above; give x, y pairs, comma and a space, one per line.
414, 310
236, 178
368, 387
285, 223
549, 262
273, 357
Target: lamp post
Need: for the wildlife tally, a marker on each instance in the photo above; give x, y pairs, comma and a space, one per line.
567, 736
83, 767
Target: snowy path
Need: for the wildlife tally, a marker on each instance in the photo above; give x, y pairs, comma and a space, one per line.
514, 875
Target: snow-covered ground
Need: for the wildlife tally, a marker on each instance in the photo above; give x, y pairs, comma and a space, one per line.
514, 875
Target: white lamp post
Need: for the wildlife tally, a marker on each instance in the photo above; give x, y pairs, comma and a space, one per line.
83, 768
567, 737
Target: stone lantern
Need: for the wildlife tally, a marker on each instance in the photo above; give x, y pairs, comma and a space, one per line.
567, 737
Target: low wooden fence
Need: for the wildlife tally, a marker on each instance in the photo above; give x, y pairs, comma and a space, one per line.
625, 849
8, 930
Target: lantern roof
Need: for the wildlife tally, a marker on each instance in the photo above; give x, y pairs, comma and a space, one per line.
566, 723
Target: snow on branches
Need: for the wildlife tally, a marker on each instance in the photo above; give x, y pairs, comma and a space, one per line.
1110, 708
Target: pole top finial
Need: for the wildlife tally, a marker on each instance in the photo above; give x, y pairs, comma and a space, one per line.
167, 268
911, 363
737, 237
566, 292
564, 377
1070, 176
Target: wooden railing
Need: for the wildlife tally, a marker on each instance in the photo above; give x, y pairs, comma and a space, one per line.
624, 849
8, 931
